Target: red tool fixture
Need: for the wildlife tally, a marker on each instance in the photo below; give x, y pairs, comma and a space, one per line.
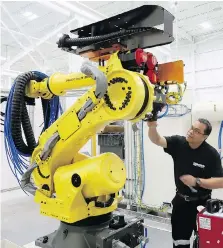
210, 229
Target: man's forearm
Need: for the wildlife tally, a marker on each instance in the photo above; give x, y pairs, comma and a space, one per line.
153, 134
212, 183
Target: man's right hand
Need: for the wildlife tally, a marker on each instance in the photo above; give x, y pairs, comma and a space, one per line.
153, 116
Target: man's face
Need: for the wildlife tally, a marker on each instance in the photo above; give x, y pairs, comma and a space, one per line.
196, 134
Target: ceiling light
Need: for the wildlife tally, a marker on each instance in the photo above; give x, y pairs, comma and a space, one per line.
27, 14
32, 17
205, 25
217, 8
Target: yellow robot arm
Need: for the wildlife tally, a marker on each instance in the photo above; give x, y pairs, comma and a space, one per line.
68, 185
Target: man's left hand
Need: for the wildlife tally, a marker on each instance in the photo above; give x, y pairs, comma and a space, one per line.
188, 180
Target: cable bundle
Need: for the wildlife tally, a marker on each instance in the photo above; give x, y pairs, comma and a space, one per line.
142, 161
172, 110
18, 152
2, 99
219, 140
139, 164
165, 113
66, 41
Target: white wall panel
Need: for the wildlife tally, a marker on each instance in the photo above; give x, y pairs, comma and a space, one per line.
210, 77
189, 79
185, 54
209, 60
209, 94
160, 185
210, 44
187, 98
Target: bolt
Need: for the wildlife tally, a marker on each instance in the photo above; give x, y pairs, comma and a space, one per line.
45, 239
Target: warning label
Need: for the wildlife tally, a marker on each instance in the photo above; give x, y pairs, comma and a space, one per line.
205, 223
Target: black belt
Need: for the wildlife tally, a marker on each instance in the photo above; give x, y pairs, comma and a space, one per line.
194, 198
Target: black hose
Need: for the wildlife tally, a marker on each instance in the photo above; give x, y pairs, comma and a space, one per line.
66, 41
3, 99
27, 128
19, 116
46, 113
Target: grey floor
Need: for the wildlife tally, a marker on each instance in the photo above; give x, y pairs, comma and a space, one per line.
21, 222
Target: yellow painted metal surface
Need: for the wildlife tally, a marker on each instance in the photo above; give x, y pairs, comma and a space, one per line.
129, 97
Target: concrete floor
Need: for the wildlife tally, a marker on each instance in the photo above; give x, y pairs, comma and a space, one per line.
21, 222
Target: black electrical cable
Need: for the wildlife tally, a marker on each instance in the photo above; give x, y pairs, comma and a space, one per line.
107, 204
66, 41
46, 112
20, 117
3, 99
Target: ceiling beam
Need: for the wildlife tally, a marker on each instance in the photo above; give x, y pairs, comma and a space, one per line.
81, 5
90, 15
55, 7
7, 64
30, 37
209, 37
183, 34
31, 48
179, 32
26, 35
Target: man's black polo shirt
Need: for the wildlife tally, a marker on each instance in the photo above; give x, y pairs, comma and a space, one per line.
203, 162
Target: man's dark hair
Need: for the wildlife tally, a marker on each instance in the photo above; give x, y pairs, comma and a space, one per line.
208, 128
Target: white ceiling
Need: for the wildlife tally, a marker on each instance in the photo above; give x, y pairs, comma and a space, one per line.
18, 33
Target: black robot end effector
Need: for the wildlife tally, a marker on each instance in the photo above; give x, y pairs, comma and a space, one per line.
153, 116
62, 40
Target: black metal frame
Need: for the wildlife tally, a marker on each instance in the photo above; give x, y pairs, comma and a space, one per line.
144, 17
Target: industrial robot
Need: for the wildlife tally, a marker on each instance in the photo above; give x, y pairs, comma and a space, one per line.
127, 84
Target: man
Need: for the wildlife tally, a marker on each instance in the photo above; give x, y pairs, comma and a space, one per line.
197, 170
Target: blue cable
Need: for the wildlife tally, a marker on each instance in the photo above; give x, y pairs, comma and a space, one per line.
165, 113
220, 135
145, 236
219, 139
18, 162
144, 246
135, 163
143, 160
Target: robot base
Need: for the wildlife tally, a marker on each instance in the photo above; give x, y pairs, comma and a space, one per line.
113, 232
